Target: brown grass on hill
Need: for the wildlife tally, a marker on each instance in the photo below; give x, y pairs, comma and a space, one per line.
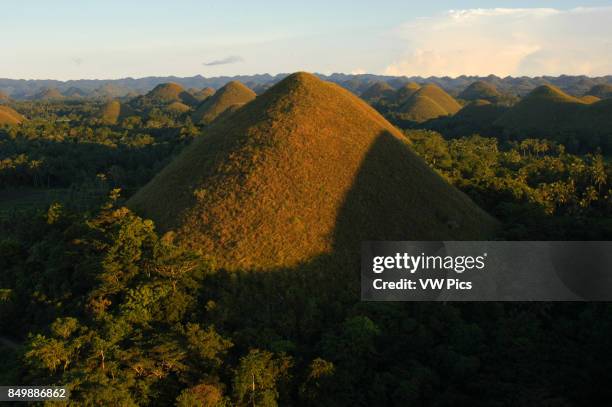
480, 90
10, 116
110, 112
406, 91
305, 170
178, 107
171, 92
589, 99
203, 94
377, 91
231, 94
429, 102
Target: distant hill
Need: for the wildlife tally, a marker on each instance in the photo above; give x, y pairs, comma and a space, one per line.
429, 102
480, 90
48, 94
110, 90
202, 94
305, 171
356, 83
169, 93
480, 111
406, 91
74, 93
601, 91
234, 93
549, 112
544, 110
379, 90
178, 107
10, 116
4, 97
589, 99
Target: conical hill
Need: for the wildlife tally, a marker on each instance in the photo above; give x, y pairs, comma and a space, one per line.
305, 170
233, 93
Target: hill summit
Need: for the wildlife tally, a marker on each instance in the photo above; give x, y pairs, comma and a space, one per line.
480, 90
543, 110
231, 96
167, 93
306, 170
429, 102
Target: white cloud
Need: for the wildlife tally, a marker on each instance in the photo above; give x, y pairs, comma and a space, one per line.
358, 71
539, 41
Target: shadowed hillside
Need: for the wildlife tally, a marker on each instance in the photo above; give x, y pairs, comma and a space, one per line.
406, 91
234, 93
379, 90
548, 112
10, 116
202, 94
305, 170
603, 91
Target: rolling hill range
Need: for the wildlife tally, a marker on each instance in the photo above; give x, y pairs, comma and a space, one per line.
306, 170
549, 112
9, 116
357, 83
429, 102
231, 96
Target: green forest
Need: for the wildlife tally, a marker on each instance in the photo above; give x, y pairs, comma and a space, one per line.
95, 298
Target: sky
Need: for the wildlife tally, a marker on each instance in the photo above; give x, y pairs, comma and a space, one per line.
107, 39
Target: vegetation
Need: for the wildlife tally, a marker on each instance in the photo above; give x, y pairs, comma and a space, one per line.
322, 166
99, 298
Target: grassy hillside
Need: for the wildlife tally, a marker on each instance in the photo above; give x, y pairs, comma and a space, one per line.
406, 91
377, 91
549, 112
203, 94
234, 93
429, 102
480, 90
10, 116
110, 112
167, 93
305, 170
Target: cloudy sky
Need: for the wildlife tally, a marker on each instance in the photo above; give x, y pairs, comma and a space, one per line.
71, 39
